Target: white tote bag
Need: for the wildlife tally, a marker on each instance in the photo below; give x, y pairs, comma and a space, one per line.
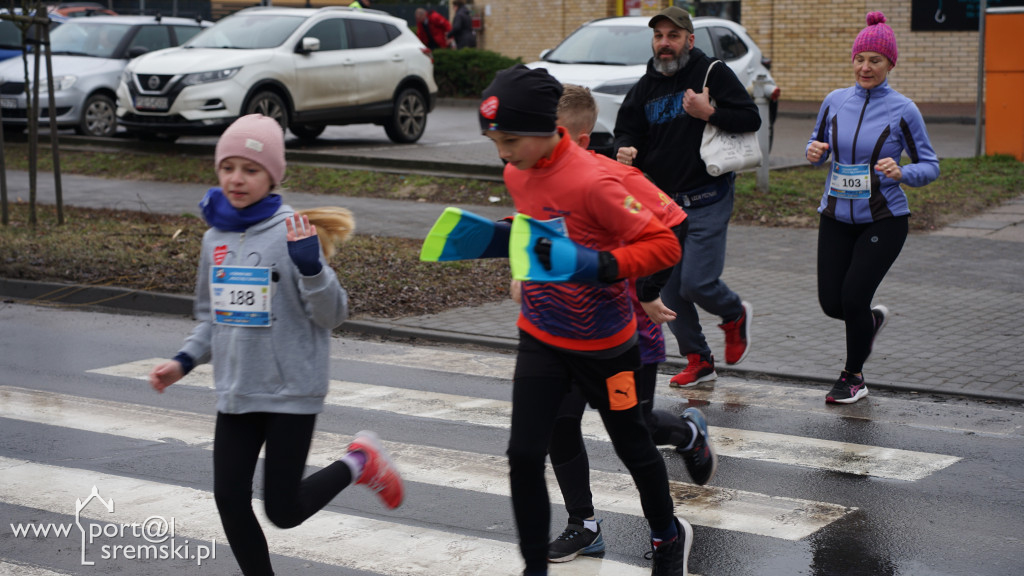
724, 151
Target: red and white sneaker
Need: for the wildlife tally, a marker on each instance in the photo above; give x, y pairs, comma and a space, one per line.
698, 369
379, 473
737, 335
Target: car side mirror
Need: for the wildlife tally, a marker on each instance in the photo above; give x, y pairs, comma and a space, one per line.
544, 53
308, 44
136, 51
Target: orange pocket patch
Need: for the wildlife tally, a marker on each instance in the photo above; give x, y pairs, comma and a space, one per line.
621, 391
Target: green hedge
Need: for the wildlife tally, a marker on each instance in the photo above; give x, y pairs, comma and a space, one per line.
465, 73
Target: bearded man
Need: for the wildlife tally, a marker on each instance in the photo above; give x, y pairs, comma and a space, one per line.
659, 129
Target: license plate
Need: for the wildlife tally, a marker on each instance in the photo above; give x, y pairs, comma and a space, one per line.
8, 103
151, 103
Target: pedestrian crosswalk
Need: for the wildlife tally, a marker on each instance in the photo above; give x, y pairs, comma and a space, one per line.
365, 543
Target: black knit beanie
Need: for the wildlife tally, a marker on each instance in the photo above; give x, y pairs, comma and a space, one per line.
521, 101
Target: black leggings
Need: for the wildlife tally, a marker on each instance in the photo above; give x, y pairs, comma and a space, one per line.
289, 499
568, 453
542, 379
852, 261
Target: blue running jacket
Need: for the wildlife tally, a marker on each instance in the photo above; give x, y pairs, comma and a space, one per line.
861, 126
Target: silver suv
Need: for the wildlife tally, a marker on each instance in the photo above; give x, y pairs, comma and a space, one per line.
306, 68
89, 55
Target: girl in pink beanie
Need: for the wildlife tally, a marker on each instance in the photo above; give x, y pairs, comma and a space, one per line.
266, 301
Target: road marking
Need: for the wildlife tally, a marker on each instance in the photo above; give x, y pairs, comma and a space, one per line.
737, 510
485, 365
354, 542
944, 415
843, 457
8, 568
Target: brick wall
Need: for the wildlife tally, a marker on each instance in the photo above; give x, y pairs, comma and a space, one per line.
523, 28
808, 41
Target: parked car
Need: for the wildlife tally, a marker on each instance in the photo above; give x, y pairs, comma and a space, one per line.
81, 9
609, 56
10, 34
89, 55
306, 68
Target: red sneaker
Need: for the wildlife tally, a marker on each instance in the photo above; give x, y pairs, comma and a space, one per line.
698, 369
737, 335
379, 473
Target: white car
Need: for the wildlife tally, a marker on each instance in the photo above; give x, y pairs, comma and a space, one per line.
306, 68
89, 54
609, 56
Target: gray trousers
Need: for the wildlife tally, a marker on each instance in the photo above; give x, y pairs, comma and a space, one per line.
695, 280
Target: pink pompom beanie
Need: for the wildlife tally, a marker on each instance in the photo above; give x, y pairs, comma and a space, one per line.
257, 138
877, 37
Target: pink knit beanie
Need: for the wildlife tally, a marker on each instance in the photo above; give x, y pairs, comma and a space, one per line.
257, 138
877, 37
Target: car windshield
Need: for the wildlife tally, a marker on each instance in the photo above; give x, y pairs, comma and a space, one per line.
85, 38
612, 45
10, 35
247, 32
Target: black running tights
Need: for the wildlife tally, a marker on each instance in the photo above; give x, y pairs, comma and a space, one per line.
542, 378
289, 499
568, 453
852, 261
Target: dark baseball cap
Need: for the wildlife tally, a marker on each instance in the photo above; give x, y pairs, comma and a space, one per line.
676, 15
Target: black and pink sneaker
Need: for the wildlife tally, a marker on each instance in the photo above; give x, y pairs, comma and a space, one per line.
847, 389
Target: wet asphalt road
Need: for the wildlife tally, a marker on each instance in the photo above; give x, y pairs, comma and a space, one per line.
905, 484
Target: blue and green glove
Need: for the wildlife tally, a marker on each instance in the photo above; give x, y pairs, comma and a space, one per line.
540, 252
462, 235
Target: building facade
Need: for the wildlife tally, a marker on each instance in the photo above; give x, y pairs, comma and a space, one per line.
808, 41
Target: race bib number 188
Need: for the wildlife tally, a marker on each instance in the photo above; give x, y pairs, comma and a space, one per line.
240, 295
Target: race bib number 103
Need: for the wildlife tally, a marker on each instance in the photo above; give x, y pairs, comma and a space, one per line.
850, 181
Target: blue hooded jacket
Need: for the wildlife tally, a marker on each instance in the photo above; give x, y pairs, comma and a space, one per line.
862, 126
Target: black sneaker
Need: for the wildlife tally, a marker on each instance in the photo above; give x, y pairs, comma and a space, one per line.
701, 460
670, 558
575, 540
847, 389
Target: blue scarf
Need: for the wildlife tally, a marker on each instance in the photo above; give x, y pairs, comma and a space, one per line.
220, 214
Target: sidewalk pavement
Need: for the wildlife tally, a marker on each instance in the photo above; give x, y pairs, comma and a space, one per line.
956, 296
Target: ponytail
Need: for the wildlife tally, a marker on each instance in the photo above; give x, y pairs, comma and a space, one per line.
333, 224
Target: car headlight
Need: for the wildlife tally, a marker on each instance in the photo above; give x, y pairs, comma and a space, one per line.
212, 76
126, 77
64, 82
615, 87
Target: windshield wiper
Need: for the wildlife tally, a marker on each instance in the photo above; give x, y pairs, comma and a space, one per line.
599, 63
70, 53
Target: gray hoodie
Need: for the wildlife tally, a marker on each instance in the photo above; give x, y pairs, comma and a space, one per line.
281, 368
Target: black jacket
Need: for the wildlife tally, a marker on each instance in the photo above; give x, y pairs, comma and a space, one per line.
667, 139
462, 29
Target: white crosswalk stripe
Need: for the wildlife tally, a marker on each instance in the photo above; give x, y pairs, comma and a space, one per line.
788, 518
329, 537
354, 541
16, 569
779, 448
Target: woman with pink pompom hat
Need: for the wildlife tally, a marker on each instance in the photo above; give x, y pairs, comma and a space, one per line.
865, 130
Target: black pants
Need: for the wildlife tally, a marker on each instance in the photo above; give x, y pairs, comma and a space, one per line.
542, 379
289, 499
568, 453
852, 261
